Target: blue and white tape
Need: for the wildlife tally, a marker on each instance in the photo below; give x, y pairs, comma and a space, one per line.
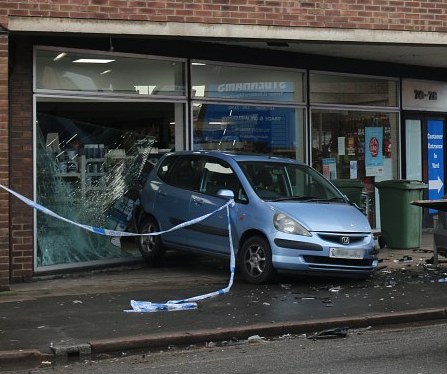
190, 303
147, 306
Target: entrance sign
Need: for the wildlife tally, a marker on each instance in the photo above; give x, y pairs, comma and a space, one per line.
435, 149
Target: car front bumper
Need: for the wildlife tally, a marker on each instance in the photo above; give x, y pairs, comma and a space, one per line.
312, 254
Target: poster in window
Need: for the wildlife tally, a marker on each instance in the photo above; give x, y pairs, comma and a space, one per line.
329, 168
351, 147
341, 146
373, 151
353, 169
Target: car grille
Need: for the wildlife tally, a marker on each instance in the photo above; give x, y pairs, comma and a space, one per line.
337, 261
337, 238
294, 244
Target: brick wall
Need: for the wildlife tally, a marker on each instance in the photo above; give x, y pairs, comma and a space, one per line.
4, 164
21, 159
423, 15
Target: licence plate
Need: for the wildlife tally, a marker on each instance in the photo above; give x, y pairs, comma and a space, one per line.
355, 254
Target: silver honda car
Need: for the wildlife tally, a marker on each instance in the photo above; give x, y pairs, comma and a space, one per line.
286, 216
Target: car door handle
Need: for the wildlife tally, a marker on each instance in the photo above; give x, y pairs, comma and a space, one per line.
163, 193
197, 201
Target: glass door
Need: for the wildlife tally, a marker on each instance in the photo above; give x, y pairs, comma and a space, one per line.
413, 149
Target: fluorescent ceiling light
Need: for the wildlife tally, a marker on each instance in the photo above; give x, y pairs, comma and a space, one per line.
59, 56
105, 72
92, 61
198, 63
215, 123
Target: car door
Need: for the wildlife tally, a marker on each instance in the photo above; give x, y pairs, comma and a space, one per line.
173, 199
211, 234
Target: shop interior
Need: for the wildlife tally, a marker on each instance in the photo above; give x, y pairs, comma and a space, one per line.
92, 158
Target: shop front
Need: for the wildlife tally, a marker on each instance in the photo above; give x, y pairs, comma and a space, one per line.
102, 119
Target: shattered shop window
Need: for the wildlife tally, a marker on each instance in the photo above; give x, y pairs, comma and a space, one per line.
91, 175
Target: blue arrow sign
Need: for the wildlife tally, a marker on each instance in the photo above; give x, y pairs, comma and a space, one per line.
435, 145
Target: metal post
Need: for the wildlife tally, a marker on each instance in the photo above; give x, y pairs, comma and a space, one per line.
435, 249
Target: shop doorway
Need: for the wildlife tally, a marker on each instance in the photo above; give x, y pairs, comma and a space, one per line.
425, 156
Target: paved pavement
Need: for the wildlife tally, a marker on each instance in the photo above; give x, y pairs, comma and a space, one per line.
83, 314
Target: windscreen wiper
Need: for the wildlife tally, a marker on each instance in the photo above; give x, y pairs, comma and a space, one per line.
295, 198
309, 199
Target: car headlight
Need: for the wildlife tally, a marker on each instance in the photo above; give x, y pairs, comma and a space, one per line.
288, 225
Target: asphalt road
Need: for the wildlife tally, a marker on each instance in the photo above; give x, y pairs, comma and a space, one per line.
405, 349
46, 319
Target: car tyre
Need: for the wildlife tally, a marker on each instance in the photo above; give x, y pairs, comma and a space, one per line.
150, 246
255, 261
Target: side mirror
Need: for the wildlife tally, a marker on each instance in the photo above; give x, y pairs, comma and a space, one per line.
226, 194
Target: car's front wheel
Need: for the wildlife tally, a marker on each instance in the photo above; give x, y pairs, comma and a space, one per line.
255, 260
150, 246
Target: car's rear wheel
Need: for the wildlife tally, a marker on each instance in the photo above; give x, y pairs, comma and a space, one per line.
150, 246
255, 260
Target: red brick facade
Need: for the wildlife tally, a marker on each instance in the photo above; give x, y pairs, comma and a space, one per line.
424, 15
16, 105
21, 162
4, 163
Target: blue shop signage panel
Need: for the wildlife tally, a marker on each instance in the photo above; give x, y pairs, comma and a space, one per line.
268, 126
435, 145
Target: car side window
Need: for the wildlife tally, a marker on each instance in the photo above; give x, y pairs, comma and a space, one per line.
185, 173
268, 181
217, 175
165, 168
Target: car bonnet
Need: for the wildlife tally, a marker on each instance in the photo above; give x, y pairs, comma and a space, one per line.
325, 217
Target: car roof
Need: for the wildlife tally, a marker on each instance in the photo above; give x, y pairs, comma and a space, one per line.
239, 156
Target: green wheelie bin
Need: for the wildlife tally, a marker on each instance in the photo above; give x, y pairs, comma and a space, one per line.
400, 221
352, 188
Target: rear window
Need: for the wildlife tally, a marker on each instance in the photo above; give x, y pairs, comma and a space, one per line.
165, 167
182, 172
216, 177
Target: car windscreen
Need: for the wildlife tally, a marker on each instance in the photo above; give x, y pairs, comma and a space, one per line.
275, 181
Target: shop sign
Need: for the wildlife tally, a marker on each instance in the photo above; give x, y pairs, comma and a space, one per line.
277, 91
373, 151
435, 149
424, 95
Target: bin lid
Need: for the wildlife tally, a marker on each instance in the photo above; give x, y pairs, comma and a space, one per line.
432, 204
347, 183
402, 184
